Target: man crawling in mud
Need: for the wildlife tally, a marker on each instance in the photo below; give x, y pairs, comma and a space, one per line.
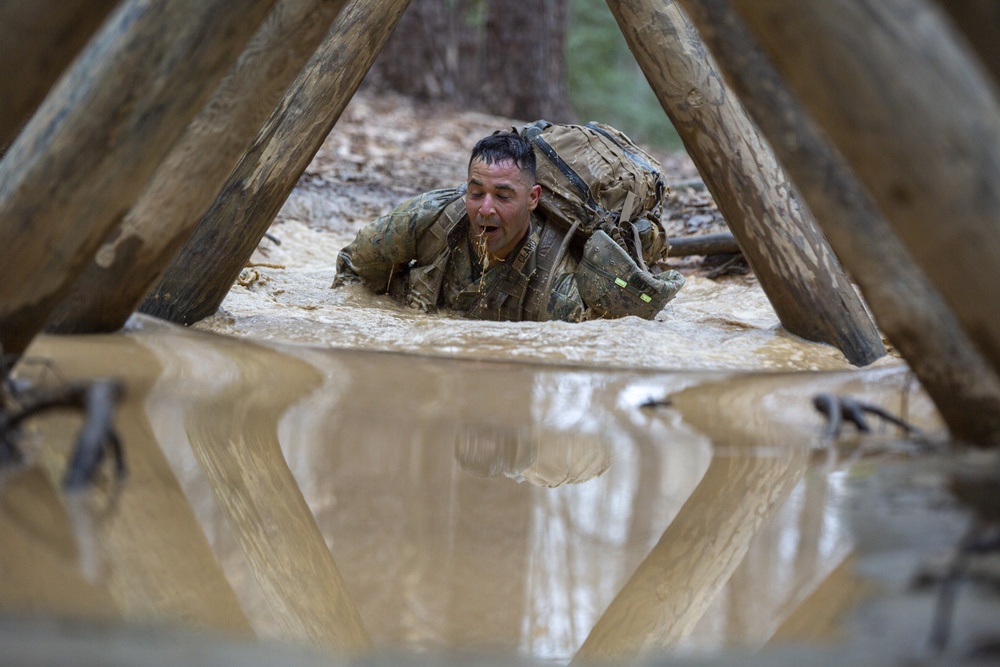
490, 255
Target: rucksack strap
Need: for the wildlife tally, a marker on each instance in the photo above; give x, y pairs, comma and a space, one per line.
424, 282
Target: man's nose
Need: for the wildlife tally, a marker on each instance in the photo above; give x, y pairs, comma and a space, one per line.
487, 207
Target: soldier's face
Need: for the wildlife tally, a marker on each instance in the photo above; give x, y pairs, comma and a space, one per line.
500, 199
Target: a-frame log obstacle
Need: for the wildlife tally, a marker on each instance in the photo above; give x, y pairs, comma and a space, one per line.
797, 269
183, 187
905, 304
898, 94
78, 166
199, 278
930, 167
38, 40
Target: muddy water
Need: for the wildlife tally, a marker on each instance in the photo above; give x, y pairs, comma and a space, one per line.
457, 498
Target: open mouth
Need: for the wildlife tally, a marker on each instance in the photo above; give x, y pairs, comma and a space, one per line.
487, 228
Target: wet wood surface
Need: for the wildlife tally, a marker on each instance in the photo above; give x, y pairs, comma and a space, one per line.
130, 262
796, 267
38, 40
199, 278
78, 166
905, 304
919, 123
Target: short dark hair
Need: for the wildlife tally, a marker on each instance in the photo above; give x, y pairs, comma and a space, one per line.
502, 146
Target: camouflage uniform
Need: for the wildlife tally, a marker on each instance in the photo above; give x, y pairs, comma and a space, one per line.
422, 254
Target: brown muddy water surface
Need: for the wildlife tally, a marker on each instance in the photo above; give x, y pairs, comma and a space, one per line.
326, 469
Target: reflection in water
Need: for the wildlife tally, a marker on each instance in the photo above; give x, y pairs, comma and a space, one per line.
327, 480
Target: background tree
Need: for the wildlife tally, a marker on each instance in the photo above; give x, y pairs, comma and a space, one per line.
500, 56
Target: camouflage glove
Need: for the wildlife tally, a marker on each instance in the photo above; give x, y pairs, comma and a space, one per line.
613, 285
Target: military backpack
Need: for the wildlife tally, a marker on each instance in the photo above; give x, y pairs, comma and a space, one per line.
593, 177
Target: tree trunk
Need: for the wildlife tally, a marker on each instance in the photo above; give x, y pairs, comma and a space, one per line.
38, 40
133, 259
433, 54
979, 20
199, 278
523, 63
905, 304
797, 269
901, 98
510, 64
82, 160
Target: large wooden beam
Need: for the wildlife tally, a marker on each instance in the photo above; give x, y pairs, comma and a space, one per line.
182, 189
906, 305
979, 20
80, 163
38, 40
901, 98
796, 267
199, 278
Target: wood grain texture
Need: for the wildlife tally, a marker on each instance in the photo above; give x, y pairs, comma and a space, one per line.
199, 278
907, 307
902, 99
130, 262
38, 40
796, 267
78, 166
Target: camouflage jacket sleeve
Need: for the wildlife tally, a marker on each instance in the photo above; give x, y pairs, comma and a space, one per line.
389, 244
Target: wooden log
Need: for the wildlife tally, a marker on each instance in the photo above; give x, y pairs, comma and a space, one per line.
82, 160
979, 20
182, 189
199, 278
905, 304
38, 40
723, 243
795, 266
917, 120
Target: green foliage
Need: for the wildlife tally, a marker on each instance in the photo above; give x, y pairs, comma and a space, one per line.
604, 81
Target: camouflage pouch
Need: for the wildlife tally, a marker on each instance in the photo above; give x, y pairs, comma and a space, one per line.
612, 284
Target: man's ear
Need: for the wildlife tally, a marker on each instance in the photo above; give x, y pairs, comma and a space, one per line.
534, 194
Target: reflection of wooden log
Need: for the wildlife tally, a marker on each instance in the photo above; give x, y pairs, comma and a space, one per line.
38, 39
795, 266
874, 75
200, 277
979, 20
80, 163
906, 306
38, 555
706, 244
187, 181
233, 433
671, 589
819, 617
151, 553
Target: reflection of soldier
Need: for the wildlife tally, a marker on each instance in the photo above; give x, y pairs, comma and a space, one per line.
490, 256
542, 459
